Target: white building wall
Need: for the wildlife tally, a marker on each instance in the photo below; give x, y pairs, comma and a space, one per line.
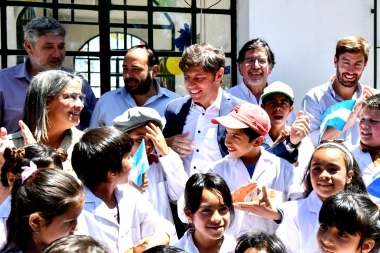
303, 34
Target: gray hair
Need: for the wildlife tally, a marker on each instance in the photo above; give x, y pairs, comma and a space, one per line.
210, 58
42, 26
44, 87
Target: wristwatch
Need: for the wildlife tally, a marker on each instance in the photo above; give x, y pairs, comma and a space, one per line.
291, 145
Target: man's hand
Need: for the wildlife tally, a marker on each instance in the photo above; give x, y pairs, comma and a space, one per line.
180, 144
300, 128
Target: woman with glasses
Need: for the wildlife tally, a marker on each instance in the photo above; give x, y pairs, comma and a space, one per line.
52, 110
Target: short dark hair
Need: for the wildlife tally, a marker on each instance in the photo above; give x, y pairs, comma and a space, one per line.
352, 44
357, 183
260, 241
211, 182
164, 249
256, 44
354, 214
42, 26
99, 151
152, 55
204, 55
48, 192
40, 154
75, 244
252, 134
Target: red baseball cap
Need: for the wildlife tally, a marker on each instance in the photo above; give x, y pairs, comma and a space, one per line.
246, 116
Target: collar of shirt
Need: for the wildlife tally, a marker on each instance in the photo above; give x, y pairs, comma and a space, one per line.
356, 95
23, 71
371, 151
215, 104
249, 94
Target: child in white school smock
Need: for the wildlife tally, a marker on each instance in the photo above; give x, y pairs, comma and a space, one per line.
332, 169
166, 175
246, 125
115, 213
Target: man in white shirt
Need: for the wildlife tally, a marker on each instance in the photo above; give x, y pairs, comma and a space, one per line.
188, 128
351, 58
255, 63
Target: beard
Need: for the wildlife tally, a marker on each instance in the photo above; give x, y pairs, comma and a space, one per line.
347, 84
142, 88
41, 66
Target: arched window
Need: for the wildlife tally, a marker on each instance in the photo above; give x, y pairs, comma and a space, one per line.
89, 66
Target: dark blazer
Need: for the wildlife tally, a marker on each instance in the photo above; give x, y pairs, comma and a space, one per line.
176, 114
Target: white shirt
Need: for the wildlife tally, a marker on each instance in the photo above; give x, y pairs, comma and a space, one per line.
137, 218
305, 151
241, 91
5, 210
299, 227
370, 173
187, 244
204, 134
272, 171
167, 180
320, 98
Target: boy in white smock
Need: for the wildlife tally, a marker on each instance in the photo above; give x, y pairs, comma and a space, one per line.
246, 126
166, 175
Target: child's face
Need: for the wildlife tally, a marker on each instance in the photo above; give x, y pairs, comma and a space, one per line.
126, 164
328, 172
278, 108
330, 239
237, 143
212, 217
252, 250
62, 225
138, 134
369, 127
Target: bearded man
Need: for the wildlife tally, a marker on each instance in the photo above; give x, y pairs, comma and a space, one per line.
351, 58
140, 67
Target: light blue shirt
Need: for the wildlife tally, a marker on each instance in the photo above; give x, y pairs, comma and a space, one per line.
115, 103
320, 98
14, 83
241, 91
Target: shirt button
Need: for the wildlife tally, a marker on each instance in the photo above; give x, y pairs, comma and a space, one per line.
203, 113
195, 167
199, 131
197, 150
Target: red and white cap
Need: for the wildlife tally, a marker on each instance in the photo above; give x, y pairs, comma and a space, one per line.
246, 116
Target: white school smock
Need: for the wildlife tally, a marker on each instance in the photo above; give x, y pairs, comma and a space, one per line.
5, 210
167, 180
187, 244
299, 227
274, 172
137, 218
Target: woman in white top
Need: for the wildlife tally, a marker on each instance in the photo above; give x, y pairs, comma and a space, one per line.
209, 210
332, 169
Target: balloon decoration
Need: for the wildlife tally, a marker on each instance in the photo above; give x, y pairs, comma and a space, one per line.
172, 65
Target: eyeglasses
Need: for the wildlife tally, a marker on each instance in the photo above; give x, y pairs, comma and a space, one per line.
252, 61
73, 97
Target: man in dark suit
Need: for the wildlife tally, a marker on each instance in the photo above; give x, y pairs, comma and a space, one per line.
188, 128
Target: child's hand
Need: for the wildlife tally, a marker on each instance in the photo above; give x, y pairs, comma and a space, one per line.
262, 207
158, 139
241, 193
144, 185
300, 128
160, 238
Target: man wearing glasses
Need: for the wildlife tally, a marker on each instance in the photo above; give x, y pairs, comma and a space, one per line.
255, 63
45, 45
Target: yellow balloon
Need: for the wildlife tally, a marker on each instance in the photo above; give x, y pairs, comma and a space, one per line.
172, 65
